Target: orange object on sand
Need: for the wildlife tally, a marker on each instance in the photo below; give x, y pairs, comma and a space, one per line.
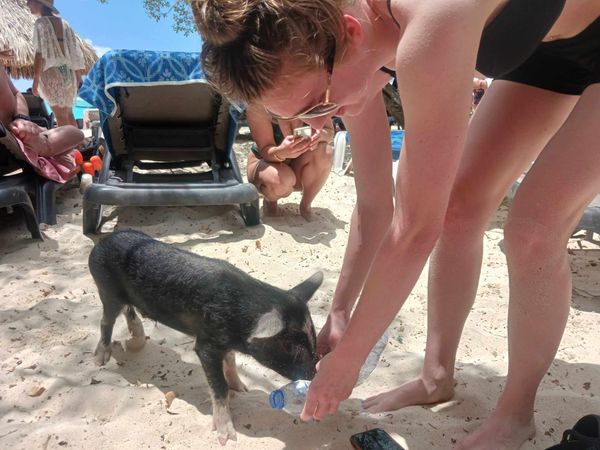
78, 157
96, 162
88, 168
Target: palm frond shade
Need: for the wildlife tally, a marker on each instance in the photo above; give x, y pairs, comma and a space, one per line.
16, 33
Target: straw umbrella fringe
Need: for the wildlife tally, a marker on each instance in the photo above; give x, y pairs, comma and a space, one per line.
16, 33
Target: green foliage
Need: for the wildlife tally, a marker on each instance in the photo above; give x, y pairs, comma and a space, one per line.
178, 10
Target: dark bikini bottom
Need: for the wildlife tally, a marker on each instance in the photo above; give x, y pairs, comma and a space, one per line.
567, 66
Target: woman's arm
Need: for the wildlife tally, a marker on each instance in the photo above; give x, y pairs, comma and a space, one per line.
372, 215
20, 102
38, 64
261, 128
435, 62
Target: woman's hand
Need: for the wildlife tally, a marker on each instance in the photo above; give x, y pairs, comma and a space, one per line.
323, 136
291, 147
335, 379
34, 88
331, 333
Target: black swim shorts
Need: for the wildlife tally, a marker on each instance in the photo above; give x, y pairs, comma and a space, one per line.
566, 66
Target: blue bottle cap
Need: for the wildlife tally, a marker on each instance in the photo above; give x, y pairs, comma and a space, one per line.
277, 399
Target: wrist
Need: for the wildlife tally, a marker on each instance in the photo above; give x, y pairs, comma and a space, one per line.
272, 151
22, 117
347, 353
340, 313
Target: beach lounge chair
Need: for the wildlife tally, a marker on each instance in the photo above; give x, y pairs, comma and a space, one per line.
38, 187
169, 137
38, 111
44, 190
590, 220
15, 186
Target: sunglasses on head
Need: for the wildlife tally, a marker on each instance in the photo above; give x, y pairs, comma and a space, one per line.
320, 109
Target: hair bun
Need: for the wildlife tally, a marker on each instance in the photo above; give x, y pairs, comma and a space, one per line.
220, 22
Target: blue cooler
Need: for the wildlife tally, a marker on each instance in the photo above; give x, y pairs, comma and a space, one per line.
397, 139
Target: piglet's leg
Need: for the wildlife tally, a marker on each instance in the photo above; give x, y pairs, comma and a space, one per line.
136, 329
231, 374
109, 316
212, 363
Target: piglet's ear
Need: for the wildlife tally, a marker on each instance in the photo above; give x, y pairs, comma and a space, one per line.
305, 290
268, 325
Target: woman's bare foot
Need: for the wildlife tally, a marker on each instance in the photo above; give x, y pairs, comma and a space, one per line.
420, 391
307, 213
499, 432
270, 208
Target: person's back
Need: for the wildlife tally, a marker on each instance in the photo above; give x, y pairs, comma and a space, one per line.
59, 62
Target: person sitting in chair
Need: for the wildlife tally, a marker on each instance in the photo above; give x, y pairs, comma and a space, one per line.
49, 152
281, 162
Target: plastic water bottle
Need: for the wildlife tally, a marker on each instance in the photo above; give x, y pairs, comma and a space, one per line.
373, 358
292, 396
86, 180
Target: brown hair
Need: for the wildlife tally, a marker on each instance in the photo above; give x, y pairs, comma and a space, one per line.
244, 40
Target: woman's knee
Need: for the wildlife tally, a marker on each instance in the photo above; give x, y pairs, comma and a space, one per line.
71, 133
64, 138
275, 191
277, 182
319, 160
324, 158
529, 240
469, 209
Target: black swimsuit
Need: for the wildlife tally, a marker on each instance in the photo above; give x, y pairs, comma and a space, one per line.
511, 48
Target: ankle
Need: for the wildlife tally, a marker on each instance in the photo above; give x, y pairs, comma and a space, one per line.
437, 374
516, 411
438, 380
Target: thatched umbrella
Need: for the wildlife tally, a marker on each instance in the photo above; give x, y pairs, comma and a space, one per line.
16, 33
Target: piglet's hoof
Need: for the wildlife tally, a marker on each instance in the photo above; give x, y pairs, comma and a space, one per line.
135, 343
224, 428
102, 354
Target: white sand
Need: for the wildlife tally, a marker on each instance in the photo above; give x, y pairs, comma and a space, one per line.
49, 326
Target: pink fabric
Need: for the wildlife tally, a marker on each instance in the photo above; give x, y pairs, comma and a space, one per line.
59, 168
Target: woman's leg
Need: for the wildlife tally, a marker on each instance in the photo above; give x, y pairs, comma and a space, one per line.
273, 180
64, 116
60, 140
312, 170
510, 127
548, 205
61, 116
71, 118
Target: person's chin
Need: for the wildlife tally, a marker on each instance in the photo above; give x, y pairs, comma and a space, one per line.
350, 111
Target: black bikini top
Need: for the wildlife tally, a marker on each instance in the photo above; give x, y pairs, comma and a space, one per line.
512, 36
